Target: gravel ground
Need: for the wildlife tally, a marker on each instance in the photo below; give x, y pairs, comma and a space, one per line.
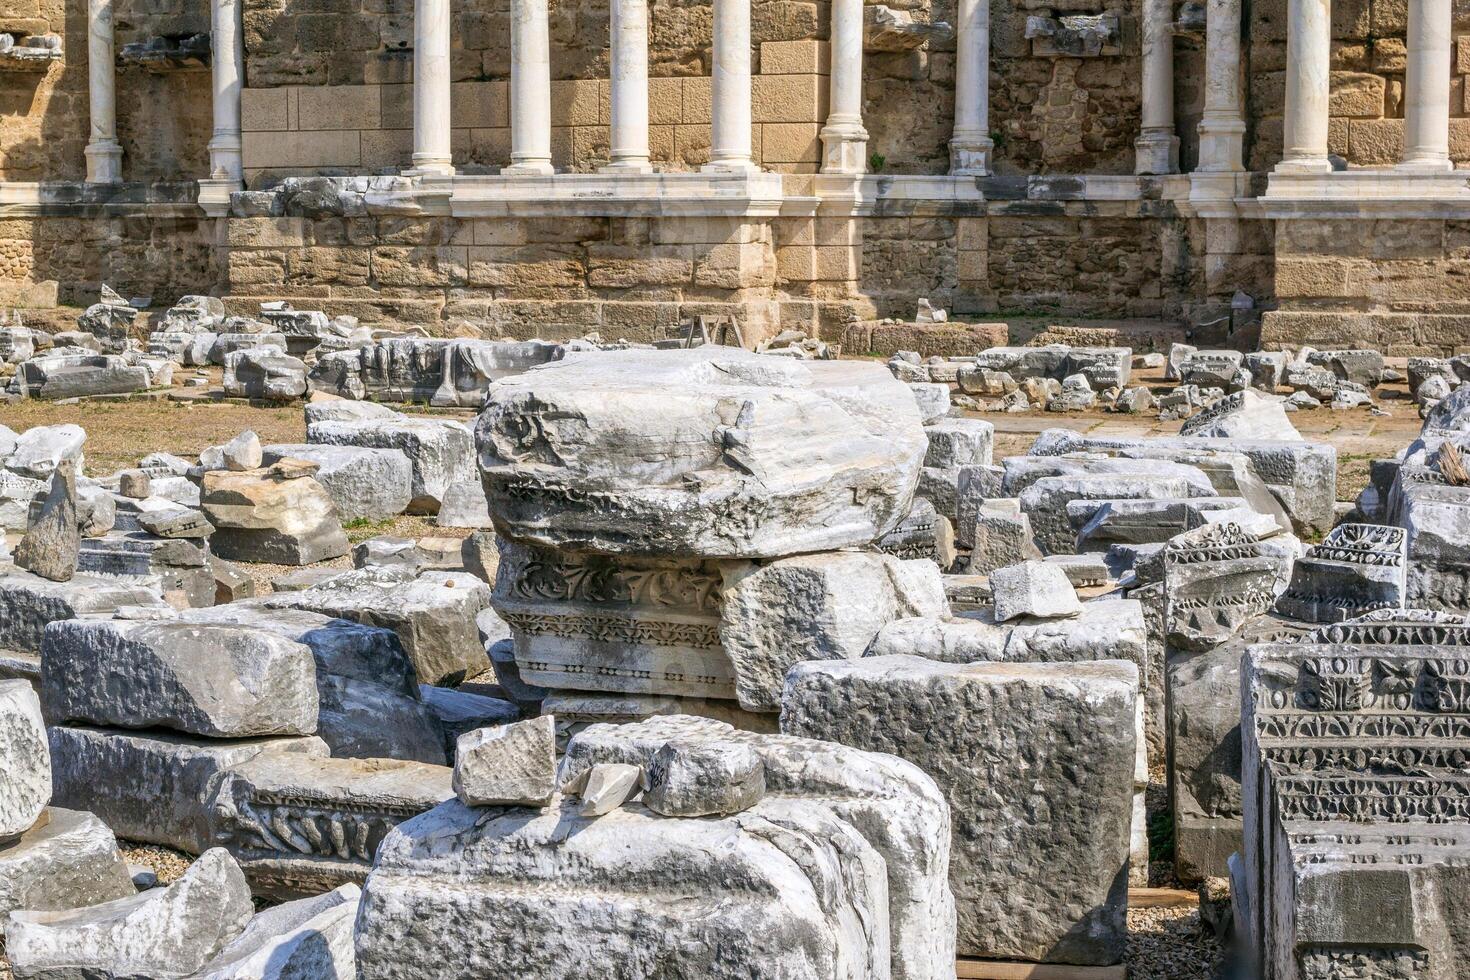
1170, 944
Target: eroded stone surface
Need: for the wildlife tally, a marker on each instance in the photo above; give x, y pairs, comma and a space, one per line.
709, 452
1039, 861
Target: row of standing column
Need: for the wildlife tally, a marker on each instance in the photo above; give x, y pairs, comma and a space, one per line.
843, 137
1308, 80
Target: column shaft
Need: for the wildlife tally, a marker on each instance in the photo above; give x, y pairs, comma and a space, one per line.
628, 143
969, 149
1157, 148
1222, 124
228, 75
432, 152
1427, 87
530, 88
844, 140
1308, 68
730, 88
104, 155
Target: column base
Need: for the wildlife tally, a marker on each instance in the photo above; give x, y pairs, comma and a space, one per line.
1304, 165
844, 150
970, 157
529, 168
1429, 165
104, 162
1156, 153
430, 165
1221, 145
633, 165
731, 165
214, 195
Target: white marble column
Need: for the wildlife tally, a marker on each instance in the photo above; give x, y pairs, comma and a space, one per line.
431, 75
730, 88
844, 140
969, 148
530, 88
1427, 88
1308, 65
628, 139
104, 155
1156, 151
1222, 124
227, 59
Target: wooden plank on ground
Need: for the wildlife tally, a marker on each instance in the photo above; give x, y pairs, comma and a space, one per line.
1161, 898
966, 969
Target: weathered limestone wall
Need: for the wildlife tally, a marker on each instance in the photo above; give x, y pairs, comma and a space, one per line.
547, 277
1399, 285
50, 260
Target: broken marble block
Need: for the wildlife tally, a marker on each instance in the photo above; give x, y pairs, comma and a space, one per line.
308, 939
1216, 579
1203, 749
1033, 589
1302, 476
607, 786
955, 442
217, 681
302, 824
1356, 569
510, 765
923, 533
53, 377
1242, 415
25, 778
814, 607
264, 374
694, 779
458, 712
469, 367
271, 515
1040, 838
1210, 368
164, 932
1354, 800
1001, 536
635, 452
65, 860
560, 894
367, 689
152, 786
432, 612
440, 451
1106, 629
40, 449
49, 547
599, 623
28, 603
370, 484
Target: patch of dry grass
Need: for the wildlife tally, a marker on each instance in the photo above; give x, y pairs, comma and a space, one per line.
121, 433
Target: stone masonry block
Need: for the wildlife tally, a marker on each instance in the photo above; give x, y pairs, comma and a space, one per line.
796, 58
789, 98
1375, 141
1357, 95
480, 105
263, 109
696, 100
339, 107
665, 101
577, 102
328, 148
790, 143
